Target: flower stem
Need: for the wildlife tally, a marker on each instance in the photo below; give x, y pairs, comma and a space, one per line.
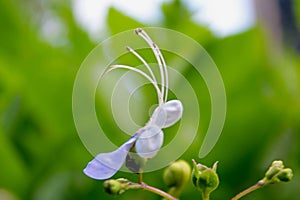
258, 185
205, 196
149, 188
140, 177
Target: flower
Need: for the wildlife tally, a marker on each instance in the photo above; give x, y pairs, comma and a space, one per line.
148, 140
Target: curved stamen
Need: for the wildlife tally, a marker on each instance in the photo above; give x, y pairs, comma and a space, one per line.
143, 61
154, 48
147, 66
140, 72
147, 37
165, 71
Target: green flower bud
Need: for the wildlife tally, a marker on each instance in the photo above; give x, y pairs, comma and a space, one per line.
285, 175
176, 176
113, 186
276, 167
277, 173
205, 179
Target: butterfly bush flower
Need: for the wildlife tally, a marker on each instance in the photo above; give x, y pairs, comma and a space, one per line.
148, 140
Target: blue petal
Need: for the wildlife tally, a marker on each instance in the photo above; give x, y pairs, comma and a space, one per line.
105, 165
149, 142
167, 114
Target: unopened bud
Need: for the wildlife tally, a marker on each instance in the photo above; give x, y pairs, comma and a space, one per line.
277, 173
113, 187
176, 176
276, 167
204, 178
285, 175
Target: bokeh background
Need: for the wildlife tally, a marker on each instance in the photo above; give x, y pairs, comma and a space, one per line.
43, 43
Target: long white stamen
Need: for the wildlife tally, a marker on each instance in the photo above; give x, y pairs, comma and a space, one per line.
154, 48
165, 72
140, 72
148, 67
143, 61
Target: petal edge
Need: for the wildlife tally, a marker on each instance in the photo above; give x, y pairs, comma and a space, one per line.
105, 165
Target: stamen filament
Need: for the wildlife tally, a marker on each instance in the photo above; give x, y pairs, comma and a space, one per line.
143, 61
165, 72
156, 52
140, 72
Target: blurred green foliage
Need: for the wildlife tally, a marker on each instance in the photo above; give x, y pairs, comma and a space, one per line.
41, 154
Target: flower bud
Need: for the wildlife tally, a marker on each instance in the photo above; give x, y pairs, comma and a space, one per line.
277, 173
205, 179
285, 175
177, 173
276, 167
113, 186
176, 176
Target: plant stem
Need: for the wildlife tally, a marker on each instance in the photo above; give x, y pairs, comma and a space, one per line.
205, 196
258, 185
140, 178
144, 186
175, 191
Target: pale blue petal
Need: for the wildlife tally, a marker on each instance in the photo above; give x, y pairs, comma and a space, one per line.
167, 114
174, 110
105, 165
149, 142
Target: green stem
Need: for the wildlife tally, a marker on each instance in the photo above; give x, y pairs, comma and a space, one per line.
175, 191
258, 185
140, 177
149, 188
205, 196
